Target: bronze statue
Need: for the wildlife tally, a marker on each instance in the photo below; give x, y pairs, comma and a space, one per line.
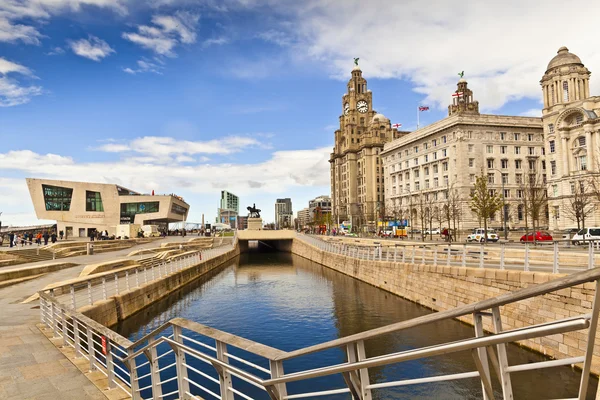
254, 212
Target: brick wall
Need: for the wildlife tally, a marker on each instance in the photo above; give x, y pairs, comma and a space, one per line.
441, 288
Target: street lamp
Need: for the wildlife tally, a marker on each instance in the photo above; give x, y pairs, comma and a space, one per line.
504, 216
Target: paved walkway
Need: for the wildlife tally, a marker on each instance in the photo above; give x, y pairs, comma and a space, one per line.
31, 367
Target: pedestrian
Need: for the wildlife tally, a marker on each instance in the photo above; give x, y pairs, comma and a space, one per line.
61, 234
46, 236
11, 239
53, 237
38, 238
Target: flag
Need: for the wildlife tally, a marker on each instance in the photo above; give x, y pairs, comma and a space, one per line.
423, 108
457, 94
396, 126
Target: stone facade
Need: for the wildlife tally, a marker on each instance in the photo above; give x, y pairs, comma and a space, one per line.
355, 165
438, 164
572, 125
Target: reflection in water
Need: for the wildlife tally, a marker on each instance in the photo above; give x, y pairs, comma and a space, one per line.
287, 302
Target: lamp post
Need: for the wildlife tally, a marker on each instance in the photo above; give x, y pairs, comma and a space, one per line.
503, 205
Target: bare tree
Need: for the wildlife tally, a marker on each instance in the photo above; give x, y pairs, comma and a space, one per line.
484, 201
535, 197
454, 209
578, 206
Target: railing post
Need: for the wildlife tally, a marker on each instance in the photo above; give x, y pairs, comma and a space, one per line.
89, 290
526, 256
481, 354
464, 255
555, 260
54, 324
73, 304
63, 321
589, 352
363, 373
154, 373
502, 356
481, 246
224, 375
276, 368
591, 255
110, 365
502, 250
133, 376
127, 280
182, 383
90, 346
76, 338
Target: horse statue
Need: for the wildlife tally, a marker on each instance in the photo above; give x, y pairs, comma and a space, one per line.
254, 212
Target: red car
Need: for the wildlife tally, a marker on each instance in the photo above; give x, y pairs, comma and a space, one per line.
538, 236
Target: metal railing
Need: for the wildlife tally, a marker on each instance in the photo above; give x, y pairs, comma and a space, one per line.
184, 359
524, 257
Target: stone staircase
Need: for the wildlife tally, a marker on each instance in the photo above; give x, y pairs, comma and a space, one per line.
35, 254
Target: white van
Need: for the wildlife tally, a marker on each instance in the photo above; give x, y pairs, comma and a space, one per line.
150, 230
586, 234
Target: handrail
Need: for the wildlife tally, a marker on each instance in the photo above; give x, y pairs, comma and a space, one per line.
520, 294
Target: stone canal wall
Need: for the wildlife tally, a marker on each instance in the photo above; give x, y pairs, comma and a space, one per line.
117, 308
441, 288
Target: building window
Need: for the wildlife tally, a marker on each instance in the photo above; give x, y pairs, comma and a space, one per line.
519, 178
490, 163
426, 183
93, 201
532, 165
416, 161
516, 136
582, 162
552, 146
57, 198
550, 128
427, 171
177, 209
425, 145
581, 140
471, 162
506, 193
490, 149
517, 149
504, 164
502, 149
426, 157
416, 173
555, 190
416, 149
435, 182
445, 166
502, 135
518, 164
530, 137
565, 91
557, 212
505, 178
553, 167
531, 151
579, 119
491, 178
434, 142
520, 212
444, 139
444, 153
471, 148
417, 186
129, 210
446, 180
472, 178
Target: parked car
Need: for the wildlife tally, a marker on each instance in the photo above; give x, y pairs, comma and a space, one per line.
585, 235
478, 235
434, 231
537, 236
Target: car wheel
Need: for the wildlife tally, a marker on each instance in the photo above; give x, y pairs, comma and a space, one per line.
481, 240
521, 240
575, 243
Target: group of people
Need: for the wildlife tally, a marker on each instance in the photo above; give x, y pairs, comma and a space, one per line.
99, 235
29, 238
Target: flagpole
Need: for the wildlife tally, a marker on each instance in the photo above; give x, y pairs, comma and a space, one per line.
418, 117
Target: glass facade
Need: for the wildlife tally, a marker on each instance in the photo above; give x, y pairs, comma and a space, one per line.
129, 210
57, 198
177, 209
126, 192
93, 201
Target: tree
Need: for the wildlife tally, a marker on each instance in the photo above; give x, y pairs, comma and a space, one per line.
484, 201
453, 209
535, 197
422, 214
578, 206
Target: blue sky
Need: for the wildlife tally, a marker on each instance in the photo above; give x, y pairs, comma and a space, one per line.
197, 96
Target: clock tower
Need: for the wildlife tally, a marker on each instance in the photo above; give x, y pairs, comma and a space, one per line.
356, 169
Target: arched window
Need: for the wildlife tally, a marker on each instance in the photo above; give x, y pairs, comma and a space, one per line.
565, 91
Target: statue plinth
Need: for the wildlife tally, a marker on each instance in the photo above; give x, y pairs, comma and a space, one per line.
255, 224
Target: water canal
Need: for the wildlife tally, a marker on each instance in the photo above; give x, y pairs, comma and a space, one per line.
288, 302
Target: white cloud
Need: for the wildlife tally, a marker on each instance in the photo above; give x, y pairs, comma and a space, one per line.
93, 48
218, 41
14, 12
56, 51
145, 65
12, 92
163, 148
274, 36
167, 32
533, 112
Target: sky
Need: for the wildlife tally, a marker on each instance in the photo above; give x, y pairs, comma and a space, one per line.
197, 96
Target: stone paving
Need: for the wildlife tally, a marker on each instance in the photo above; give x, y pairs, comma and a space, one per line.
31, 366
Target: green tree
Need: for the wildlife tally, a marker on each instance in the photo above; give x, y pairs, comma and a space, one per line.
484, 201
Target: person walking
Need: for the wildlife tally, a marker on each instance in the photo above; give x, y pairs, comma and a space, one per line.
53, 237
61, 234
11, 239
46, 236
38, 238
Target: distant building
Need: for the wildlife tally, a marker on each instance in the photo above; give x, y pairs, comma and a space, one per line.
320, 205
284, 216
229, 209
304, 218
82, 208
242, 222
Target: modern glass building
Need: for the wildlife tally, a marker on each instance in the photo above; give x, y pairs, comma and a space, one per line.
82, 208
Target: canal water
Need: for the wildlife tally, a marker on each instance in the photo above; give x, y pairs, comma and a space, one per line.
287, 302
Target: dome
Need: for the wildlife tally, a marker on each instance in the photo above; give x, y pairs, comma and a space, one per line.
356, 68
462, 80
563, 58
379, 117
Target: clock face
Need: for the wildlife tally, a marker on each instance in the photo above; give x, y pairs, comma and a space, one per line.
362, 106
346, 108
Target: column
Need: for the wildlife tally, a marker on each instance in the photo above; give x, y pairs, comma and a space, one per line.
590, 150
565, 155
